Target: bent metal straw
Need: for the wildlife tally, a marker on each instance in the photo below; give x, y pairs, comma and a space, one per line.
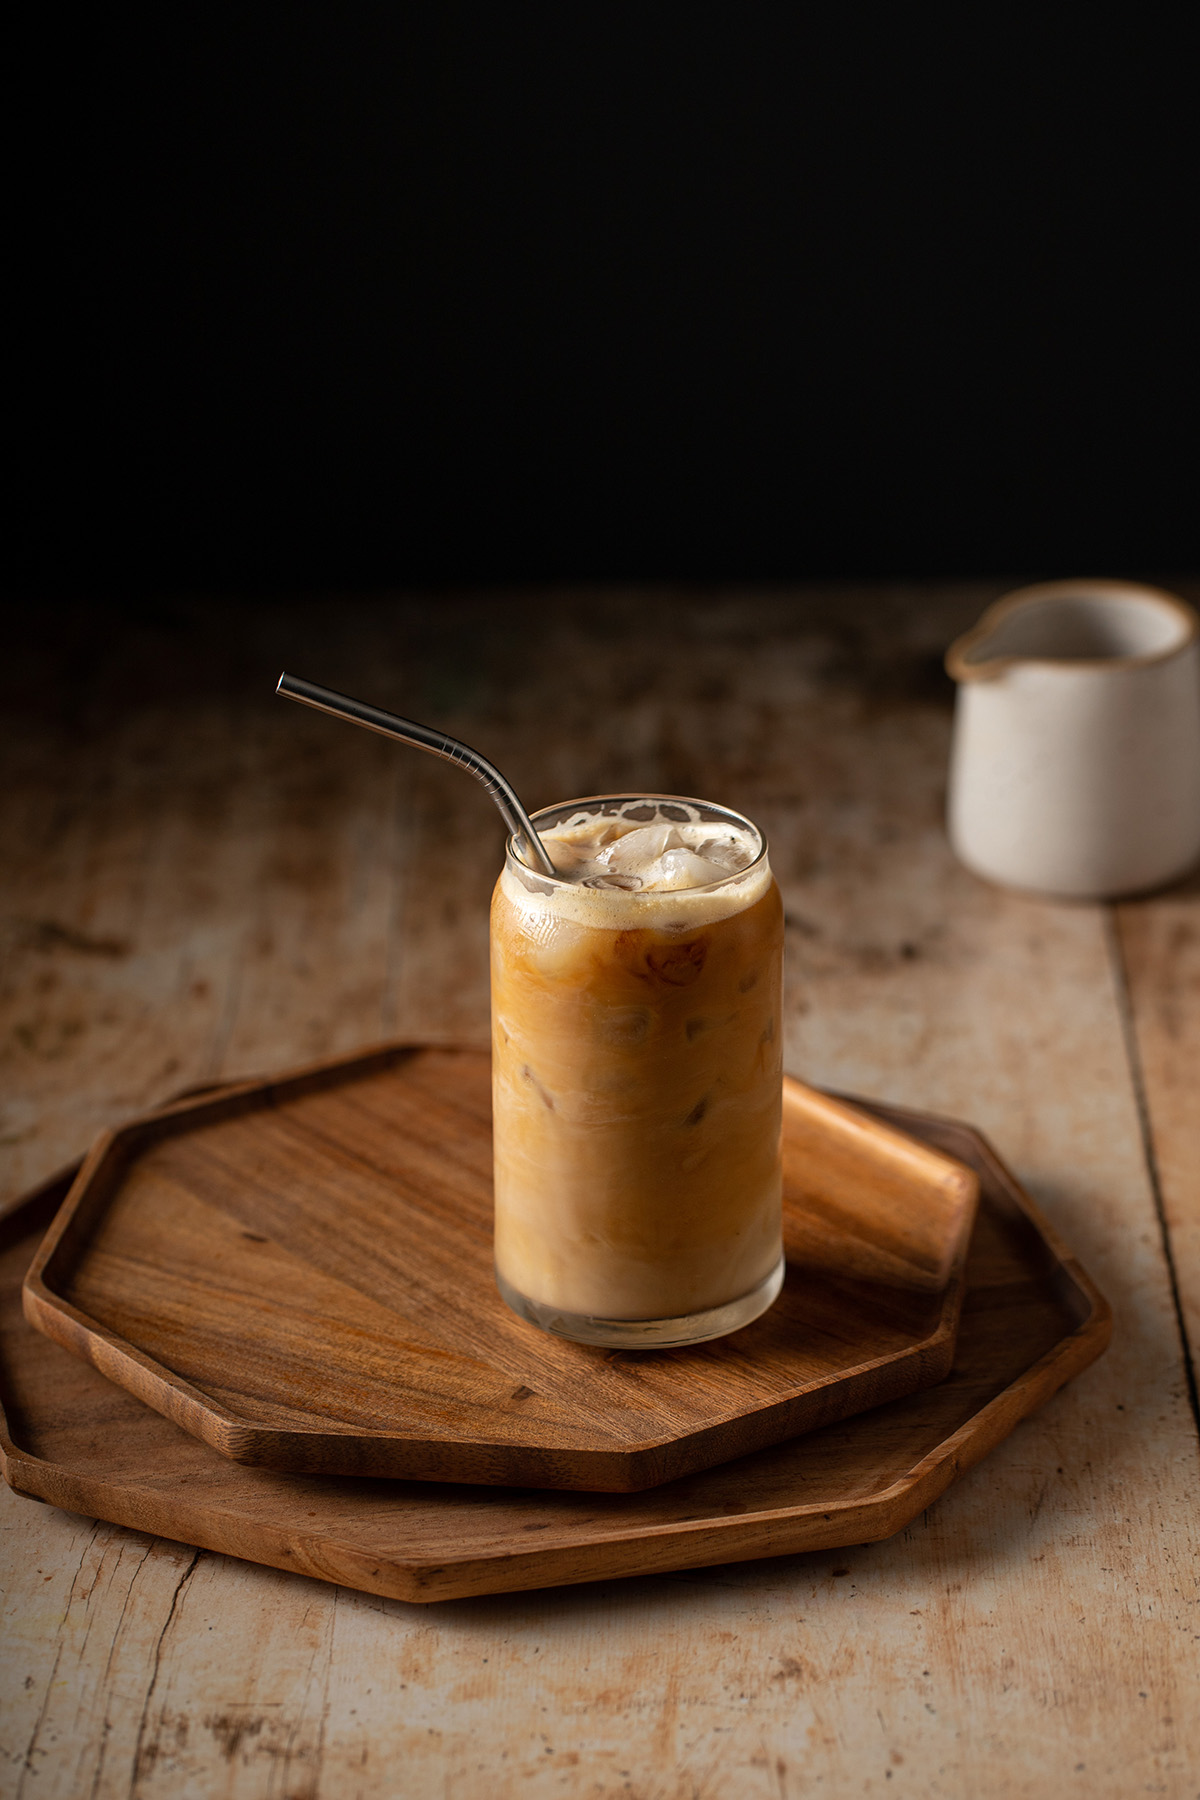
438, 743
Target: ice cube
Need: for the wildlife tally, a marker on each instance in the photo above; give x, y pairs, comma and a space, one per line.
684, 869
633, 853
727, 853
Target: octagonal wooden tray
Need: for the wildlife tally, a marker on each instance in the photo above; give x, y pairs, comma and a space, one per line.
1031, 1320
299, 1272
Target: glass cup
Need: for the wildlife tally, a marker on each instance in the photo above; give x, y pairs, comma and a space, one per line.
637, 1095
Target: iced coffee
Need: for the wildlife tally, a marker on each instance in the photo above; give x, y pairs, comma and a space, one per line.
637, 1073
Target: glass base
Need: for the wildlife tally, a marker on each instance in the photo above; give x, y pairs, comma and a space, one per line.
648, 1334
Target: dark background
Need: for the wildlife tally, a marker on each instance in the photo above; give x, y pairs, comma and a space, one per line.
439, 293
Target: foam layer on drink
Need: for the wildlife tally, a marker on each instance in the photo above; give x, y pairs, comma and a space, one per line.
643, 862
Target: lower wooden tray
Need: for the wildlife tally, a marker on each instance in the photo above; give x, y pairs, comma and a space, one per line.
300, 1272
1031, 1319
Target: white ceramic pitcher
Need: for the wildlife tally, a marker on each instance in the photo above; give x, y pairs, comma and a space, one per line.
1075, 769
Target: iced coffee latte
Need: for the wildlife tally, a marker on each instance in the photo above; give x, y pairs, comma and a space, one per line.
637, 1074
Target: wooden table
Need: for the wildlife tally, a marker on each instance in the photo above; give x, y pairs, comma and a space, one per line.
202, 882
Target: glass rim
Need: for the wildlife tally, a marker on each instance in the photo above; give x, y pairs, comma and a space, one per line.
586, 801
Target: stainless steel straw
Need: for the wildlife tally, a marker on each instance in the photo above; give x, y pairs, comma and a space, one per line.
373, 718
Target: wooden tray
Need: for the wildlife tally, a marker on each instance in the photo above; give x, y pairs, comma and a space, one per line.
300, 1273
1031, 1320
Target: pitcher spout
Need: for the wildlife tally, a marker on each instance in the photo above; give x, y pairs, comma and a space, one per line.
975, 655
1090, 624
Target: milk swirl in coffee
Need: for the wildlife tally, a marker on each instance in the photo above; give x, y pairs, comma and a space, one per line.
637, 1072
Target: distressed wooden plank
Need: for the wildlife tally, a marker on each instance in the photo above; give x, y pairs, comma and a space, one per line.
1038, 1628
79, 1732
113, 922
317, 849
212, 900
1160, 948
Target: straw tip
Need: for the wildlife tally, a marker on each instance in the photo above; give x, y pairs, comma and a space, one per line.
280, 682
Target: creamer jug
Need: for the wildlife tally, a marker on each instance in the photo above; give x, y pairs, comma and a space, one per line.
1075, 768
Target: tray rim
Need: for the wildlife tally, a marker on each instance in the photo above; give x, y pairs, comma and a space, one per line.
779, 1530
277, 1448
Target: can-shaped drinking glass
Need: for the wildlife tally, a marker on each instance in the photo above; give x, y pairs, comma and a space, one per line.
637, 1091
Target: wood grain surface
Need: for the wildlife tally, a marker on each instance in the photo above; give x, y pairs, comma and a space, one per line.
300, 1273
1158, 942
1032, 1319
200, 883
